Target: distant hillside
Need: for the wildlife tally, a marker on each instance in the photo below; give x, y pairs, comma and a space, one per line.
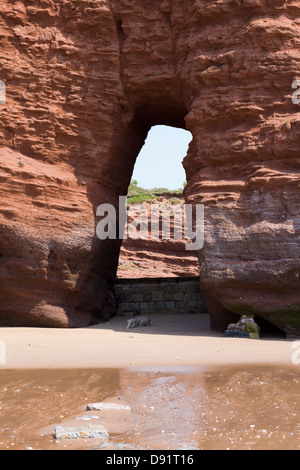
138, 195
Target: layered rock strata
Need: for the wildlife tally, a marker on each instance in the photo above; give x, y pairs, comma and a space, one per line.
161, 253
85, 80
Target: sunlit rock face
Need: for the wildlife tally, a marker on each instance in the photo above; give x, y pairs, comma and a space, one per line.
85, 80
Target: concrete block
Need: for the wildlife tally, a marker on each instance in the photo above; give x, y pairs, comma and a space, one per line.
135, 306
160, 305
92, 431
144, 306
124, 306
147, 297
170, 304
192, 304
157, 296
178, 296
137, 297
168, 296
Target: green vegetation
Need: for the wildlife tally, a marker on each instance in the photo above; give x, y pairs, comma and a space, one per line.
138, 195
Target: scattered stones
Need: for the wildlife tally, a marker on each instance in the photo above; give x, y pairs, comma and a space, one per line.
137, 321
92, 431
107, 406
244, 328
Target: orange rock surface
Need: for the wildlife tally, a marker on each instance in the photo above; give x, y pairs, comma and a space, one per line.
85, 81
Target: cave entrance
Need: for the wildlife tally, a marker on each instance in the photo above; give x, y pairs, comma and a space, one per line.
268, 329
154, 247
156, 274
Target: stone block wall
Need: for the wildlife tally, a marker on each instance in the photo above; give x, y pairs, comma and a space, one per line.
160, 295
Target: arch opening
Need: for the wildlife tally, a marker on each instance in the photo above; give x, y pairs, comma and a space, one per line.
159, 163
157, 184
157, 274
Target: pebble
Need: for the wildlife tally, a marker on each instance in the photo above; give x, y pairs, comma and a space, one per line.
107, 406
87, 418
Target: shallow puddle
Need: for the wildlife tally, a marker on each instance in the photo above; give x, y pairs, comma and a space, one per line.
240, 407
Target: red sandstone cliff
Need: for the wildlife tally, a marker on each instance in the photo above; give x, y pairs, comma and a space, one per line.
85, 80
161, 254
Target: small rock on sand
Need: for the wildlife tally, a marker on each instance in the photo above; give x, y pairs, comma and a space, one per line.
107, 406
94, 431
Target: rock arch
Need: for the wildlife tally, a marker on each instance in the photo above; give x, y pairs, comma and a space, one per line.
90, 80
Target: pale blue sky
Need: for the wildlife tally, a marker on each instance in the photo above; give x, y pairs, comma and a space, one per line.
159, 163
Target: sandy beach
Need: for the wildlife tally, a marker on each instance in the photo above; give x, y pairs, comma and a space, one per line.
187, 387
170, 340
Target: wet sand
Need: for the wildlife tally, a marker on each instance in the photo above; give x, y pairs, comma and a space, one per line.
188, 388
234, 407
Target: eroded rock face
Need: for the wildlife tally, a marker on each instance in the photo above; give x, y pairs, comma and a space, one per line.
85, 80
154, 255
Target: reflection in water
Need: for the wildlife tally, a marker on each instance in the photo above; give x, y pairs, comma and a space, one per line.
33, 399
250, 407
